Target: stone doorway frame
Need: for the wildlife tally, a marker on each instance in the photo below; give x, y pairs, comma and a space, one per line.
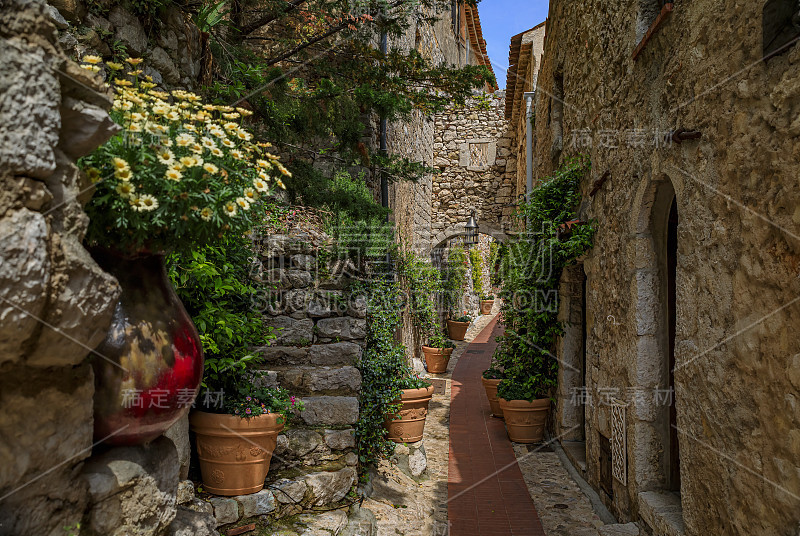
648, 426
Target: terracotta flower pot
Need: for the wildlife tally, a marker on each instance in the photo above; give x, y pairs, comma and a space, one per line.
486, 307
525, 420
457, 330
235, 453
408, 424
436, 359
491, 393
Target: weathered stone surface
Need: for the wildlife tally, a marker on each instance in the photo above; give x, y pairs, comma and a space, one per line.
185, 492
417, 462
160, 60
24, 276
290, 331
330, 487
257, 504
98, 23
289, 491
46, 426
178, 433
82, 291
326, 379
84, 127
188, 522
330, 410
326, 523
302, 442
225, 510
290, 355
56, 18
340, 439
341, 353
129, 30
304, 262
299, 278
627, 529
29, 101
133, 489
351, 459
342, 328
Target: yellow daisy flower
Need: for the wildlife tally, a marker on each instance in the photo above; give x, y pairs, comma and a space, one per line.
93, 68
280, 184
242, 202
173, 175
93, 174
237, 154
250, 194
206, 214
184, 140
134, 61
165, 156
113, 66
230, 209
121, 82
119, 164
123, 174
261, 185
228, 143
147, 203
210, 168
125, 189
188, 161
92, 59
216, 151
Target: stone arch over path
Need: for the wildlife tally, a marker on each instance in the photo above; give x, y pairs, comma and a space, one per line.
458, 230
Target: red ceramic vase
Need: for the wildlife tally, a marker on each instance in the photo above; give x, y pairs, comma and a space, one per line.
148, 369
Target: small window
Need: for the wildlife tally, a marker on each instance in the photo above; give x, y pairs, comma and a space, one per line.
781, 26
455, 14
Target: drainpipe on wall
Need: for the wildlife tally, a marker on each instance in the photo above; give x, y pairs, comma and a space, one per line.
528, 95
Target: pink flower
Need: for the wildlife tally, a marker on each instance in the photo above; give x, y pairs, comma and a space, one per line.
248, 411
292, 401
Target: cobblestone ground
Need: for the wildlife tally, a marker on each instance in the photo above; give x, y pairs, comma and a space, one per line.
563, 508
403, 506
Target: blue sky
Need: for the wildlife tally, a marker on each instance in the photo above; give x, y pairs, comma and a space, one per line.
500, 19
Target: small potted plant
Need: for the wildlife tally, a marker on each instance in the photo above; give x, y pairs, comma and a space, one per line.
407, 423
487, 302
437, 354
525, 403
457, 327
491, 378
237, 429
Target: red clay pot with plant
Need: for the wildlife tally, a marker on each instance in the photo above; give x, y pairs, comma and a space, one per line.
525, 407
457, 327
491, 378
486, 306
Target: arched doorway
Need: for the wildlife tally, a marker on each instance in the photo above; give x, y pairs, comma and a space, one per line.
655, 451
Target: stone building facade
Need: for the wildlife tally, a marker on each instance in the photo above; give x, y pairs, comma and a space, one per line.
682, 346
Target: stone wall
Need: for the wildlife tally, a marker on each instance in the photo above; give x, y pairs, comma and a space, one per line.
738, 256
472, 150
55, 302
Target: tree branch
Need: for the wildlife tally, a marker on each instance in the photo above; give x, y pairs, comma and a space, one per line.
266, 19
301, 46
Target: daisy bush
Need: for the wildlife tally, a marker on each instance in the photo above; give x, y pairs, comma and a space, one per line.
180, 173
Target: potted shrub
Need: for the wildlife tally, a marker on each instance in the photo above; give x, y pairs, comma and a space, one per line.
525, 404
406, 422
487, 302
178, 174
236, 433
491, 378
457, 327
437, 354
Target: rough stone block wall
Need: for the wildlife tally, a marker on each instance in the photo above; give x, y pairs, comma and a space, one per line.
738, 252
55, 302
480, 181
320, 327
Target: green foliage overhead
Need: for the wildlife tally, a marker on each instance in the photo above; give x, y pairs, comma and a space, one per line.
476, 271
533, 270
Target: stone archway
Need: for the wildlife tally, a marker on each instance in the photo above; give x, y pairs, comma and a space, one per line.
453, 231
654, 447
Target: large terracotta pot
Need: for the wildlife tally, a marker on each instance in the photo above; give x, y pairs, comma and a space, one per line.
457, 330
486, 307
148, 368
525, 420
235, 453
491, 393
436, 359
408, 424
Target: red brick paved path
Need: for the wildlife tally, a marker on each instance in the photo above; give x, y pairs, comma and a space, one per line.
486, 492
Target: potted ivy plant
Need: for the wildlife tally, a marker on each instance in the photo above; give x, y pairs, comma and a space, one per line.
437, 353
406, 424
491, 378
457, 327
487, 302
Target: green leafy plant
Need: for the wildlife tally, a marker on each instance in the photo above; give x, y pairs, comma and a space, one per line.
476, 270
464, 317
215, 286
532, 274
454, 277
487, 297
179, 174
423, 286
